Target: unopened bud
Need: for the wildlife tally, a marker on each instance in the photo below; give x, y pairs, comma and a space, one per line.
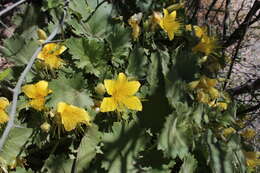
41, 34
45, 127
100, 89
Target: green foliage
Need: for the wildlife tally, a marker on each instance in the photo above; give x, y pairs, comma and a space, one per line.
4, 73
175, 137
189, 164
88, 148
14, 147
70, 90
89, 54
121, 147
18, 49
137, 62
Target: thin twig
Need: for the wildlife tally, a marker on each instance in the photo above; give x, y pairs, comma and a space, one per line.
17, 88
210, 8
11, 7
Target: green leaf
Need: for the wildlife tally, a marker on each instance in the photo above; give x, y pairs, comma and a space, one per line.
18, 49
137, 62
119, 40
27, 19
197, 115
99, 23
80, 8
93, 19
175, 137
153, 75
189, 165
14, 143
225, 157
51, 3
121, 147
88, 53
88, 148
58, 163
5, 73
69, 90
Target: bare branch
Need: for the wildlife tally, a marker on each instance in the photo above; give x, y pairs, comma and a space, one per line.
17, 89
251, 109
240, 32
11, 7
210, 8
247, 87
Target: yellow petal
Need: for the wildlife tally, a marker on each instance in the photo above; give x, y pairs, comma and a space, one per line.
222, 105
53, 61
3, 117
37, 103
30, 91
171, 35
41, 55
133, 103
202, 97
165, 12
110, 86
108, 104
213, 92
211, 82
130, 88
3, 103
42, 88
173, 15
198, 31
61, 49
72, 115
193, 84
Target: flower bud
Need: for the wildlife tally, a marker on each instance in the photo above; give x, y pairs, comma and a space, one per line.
45, 127
41, 34
100, 89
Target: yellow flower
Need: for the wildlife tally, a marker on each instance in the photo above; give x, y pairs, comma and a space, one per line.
248, 133
122, 95
213, 93
169, 23
203, 97
252, 159
206, 82
206, 45
206, 93
50, 54
134, 23
222, 105
37, 92
72, 115
228, 131
3, 104
199, 31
